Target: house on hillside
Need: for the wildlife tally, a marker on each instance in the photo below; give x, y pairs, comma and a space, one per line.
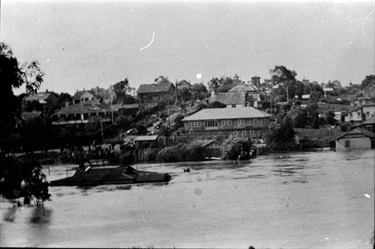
364, 101
183, 84
83, 113
84, 96
233, 99
369, 124
147, 93
246, 122
357, 138
360, 114
45, 98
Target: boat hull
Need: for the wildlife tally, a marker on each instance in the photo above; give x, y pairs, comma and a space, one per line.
93, 176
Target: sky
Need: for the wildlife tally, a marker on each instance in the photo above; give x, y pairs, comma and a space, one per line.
85, 44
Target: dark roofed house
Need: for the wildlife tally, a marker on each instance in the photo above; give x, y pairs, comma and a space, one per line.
151, 92
49, 98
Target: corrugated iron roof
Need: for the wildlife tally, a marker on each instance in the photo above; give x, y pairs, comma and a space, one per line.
38, 96
30, 115
155, 88
227, 113
358, 131
243, 88
87, 107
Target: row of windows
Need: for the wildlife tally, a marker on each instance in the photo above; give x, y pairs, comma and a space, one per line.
247, 133
240, 122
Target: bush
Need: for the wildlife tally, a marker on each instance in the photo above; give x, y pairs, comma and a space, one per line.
236, 148
23, 179
181, 153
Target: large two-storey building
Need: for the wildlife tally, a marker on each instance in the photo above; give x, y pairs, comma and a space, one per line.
246, 122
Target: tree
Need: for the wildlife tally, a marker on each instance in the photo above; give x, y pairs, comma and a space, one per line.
280, 135
199, 91
122, 90
298, 116
223, 84
287, 83
184, 94
236, 148
23, 179
369, 80
62, 98
13, 75
216, 104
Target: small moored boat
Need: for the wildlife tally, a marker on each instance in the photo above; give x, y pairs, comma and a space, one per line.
91, 176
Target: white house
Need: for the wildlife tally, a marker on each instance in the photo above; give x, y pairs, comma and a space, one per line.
361, 113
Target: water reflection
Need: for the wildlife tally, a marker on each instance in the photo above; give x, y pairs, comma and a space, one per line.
40, 220
10, 215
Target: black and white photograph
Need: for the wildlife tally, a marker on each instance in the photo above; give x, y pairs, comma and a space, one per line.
187, 124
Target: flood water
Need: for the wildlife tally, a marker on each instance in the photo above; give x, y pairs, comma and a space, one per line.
303, 200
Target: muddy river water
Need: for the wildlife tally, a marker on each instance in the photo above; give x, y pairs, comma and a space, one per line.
299, 200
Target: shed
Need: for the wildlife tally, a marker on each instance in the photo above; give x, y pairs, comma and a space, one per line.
211, 148
357, 138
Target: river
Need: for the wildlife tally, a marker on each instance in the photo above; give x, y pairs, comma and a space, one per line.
295, 200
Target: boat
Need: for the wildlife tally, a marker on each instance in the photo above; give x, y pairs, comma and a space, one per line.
101, 175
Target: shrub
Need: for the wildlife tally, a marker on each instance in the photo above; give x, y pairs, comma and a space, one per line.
236, 148
23, 179
181, 152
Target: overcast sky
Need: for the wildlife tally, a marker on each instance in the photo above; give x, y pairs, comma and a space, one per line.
89, 44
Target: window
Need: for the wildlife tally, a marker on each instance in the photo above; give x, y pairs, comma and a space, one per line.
233, 105
256, 121
244, 133
210, 123
235, 133
241, 122
226, 122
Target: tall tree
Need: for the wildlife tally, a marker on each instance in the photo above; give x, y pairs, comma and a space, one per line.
18, 178
13, 75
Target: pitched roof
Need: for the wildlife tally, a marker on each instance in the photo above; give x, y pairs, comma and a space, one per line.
87, 107
369, 121
38, 96
227, 113
146, 138
358, 131
243, 88
155, 88
78, 94
30, 115
229, 98
360, 107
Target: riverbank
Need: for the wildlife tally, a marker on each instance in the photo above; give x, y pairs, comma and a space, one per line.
56, 157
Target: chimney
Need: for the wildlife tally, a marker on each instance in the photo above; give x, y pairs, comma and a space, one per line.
66, 103
46, 90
